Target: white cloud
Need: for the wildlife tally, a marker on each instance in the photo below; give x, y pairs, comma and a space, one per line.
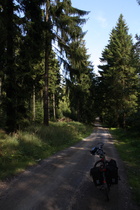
103, 21
96, 62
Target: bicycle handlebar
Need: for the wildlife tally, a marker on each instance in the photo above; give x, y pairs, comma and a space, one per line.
98, 150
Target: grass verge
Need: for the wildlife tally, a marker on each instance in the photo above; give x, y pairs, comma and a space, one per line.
27, 147
128, 145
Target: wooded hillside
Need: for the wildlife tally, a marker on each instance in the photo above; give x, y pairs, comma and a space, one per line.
46, 73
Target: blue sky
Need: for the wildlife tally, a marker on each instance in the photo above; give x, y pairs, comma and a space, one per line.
102, 18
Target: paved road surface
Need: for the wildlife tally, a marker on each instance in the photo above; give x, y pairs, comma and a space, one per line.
62, 182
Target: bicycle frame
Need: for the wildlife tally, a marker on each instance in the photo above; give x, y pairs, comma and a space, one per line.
101, 164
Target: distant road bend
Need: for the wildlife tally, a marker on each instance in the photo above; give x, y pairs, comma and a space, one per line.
62, 182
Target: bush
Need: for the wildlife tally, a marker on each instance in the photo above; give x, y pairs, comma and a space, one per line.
27, 147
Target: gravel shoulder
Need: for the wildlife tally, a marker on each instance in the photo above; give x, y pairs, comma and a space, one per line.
62, 182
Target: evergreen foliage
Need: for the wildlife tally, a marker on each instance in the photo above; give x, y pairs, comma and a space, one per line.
80, 82
28, 65
138, 2
136, 116
37, 37
8, 55
64, 26
119, 77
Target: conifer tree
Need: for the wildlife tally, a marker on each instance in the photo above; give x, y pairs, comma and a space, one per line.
138, 2
29, 57
54, 86
8, 58
136, 117
118, 76
80, 81
20, 47
28, 29
137, 48
63, 24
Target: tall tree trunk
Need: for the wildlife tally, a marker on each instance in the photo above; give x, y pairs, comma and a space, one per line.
34, 112
54, 108
46, 75
0, 98
0, 87
46, 112
10, 71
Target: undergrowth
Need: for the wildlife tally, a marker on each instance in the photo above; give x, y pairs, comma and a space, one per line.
28, 147
128, 145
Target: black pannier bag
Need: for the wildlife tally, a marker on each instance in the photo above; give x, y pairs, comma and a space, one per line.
97, 176
112, 172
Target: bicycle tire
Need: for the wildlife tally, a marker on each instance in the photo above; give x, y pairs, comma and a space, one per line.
99, 163
107, 193
105, 188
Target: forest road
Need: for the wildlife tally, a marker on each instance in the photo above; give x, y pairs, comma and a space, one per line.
62, 182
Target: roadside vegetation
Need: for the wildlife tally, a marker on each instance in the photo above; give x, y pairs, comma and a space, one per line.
30, 146
46, 75
127, 143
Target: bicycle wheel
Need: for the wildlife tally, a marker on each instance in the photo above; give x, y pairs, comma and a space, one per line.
105, 187
99, 163
107, 193
105, 190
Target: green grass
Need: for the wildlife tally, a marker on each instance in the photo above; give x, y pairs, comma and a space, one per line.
128, 145
27, 147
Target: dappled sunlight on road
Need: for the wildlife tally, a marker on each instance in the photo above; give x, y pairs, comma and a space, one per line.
63, 181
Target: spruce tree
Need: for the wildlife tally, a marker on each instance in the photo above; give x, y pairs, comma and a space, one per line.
63, 24
136, 117
138, 2
28, 57
54, 86
118, 76
80, 81
20, 51
9, 61
28, 29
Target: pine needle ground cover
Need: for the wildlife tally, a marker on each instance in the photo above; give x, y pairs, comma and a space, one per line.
128, 145
27, 147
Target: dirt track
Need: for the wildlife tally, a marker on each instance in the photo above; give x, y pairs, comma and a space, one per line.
62, 182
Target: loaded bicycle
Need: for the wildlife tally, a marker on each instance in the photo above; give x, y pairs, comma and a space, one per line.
104, 172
